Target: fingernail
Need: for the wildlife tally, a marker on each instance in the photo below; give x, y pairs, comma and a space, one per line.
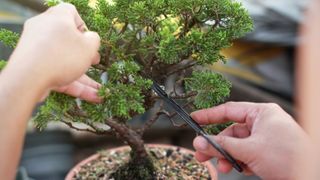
193, 115
98, 99
98, 86
201, 143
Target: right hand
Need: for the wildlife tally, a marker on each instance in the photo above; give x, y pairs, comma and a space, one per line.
264, 138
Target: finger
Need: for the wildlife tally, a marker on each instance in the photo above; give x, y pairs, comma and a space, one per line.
96, 59
79, 90
201, 157
239, 112
201, 145
238, 148
247, 171
43, 98
224, 166
91, 42
86, 80
236, 130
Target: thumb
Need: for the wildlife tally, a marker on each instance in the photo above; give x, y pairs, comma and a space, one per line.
238, 148
92, 43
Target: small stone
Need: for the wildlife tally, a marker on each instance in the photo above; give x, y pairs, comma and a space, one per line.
169, 152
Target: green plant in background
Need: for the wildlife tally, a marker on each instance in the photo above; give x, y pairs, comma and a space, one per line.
2, 64
9, 38
170, 41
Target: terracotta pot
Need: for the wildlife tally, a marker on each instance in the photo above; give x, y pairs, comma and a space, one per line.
74, 170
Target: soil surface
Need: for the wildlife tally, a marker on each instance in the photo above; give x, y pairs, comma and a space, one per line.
171, 163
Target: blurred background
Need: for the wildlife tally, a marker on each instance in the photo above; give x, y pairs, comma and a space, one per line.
260, 66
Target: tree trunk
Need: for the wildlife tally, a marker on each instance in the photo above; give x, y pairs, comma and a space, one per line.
140, 166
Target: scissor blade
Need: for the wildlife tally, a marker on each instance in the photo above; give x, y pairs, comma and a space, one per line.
180, 111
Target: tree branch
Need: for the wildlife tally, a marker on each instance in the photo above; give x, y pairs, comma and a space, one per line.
81, 114
217, 21
152, 120
107, 56
170, 116
173, 114
124, 28
176, 68
100, 67
185, 95
184, 106
94, 131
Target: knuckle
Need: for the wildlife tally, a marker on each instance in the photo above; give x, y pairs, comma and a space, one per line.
221, 140
69, 6
29, 22
273, 106
59, 25
96, 36
253, 114
230, 103
65, 8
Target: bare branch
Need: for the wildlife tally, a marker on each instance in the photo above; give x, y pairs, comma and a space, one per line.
184, 96
124, 28
100, 67
179, 82
79, 113
152, 120
178, 125
94, 131
177, 68
170, 117
181, 96
173, 114
107, 56
217, 21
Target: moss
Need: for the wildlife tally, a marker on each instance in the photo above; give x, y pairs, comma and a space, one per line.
136, 169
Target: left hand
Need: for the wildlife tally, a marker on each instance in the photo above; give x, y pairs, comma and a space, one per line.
61, 50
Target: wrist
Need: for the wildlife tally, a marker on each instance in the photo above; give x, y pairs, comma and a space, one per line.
19, 74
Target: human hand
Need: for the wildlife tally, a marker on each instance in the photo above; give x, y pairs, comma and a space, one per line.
264, 138
55, 51
84, 88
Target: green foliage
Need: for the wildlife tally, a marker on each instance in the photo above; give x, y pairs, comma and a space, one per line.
215, 129
51, 3
55, 109
9, 38
147, 37
120, 71
122, 100
3, 63
211, 87
123, 93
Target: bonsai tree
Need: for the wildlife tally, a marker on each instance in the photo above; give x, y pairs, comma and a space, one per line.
169, 41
